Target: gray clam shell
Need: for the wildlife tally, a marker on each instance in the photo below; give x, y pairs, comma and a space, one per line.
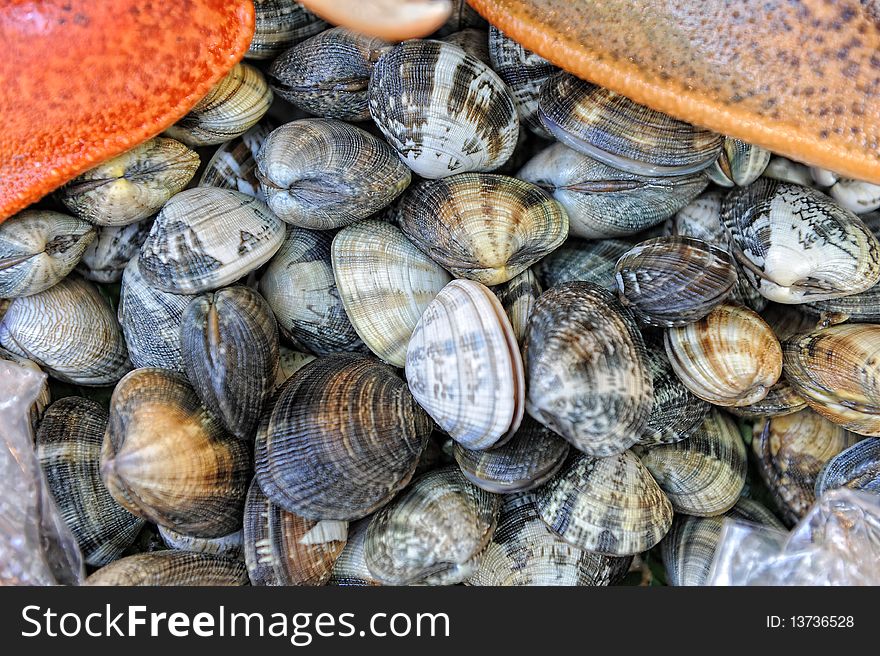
857, 468
280, 24
579, 259
113, 248
172, 568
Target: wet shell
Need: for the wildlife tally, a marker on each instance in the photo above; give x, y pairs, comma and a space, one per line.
606, 505
38, 248
70, 331
463, 366
322, 174
523, 551
234, 166
107, 256
689, 548
578, 259
205, 238
527, 460
857, 468
673, 281
621, 133
443, 110
704, 474
587, 369
233, 106
300, 287
603, 201
796, 245
836, 371
131, 186
738, 164
229, 343
150, 320
69, 450
279, 25
484, 227
343, 438
790, 451
700, 219
328, 75
729, 358
518, 296
226, 545
385, 283
350, 567
433, 533
166, 459
281, 548
172, 568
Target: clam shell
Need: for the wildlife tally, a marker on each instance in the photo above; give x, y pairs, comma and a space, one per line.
673, 281
343, 438
229, 343
857, 467
704, 474
603, 201
433, 532
473, 41
790, 451
281, 548
234, 166
796, 245
322, 174
856, 196
232, 106
523, 551
530, 458
229, 546
289, 362
132, 186
150, 320
786, 170
70, 331
462, 17
38, 248
113, 248
738, 164
587, 369
729, 358
823, 177
621, 133
173, 568
606, 505
69, 450
280, 24
836, 371
518, 296
700, 219
485, 227
385, 283
781, 400
350, 567
299, 286
578, 259
205, 238
166, 459
328, 75
464, 367
443, 110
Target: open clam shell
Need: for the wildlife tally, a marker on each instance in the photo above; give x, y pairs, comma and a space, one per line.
171, 568
857, 468
463, 366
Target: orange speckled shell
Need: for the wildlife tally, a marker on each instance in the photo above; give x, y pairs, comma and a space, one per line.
84, 80
800, 78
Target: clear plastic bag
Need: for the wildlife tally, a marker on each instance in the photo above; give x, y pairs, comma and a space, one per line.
36, 547
837, 543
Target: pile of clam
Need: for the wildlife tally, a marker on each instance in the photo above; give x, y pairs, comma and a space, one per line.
436, 312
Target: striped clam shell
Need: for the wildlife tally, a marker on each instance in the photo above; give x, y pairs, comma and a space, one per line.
587, 369
857, 468
281, 548
70, 331
132, 186
673, 281
603, 201
433, 532
171, 568
607, 505
518, 296
38, 248
621, 133
299, 286
234, 166
443, 110
781, 399
350, 568
523, 551
279, 24
738, 164
482, 226
232, 106
226, 545
473, 41
790, 451
796, 245
69, 450
113, 248
385, 283
579, 259
205, 238
463, 366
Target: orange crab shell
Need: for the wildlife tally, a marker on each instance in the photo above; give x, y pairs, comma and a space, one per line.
85, 80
